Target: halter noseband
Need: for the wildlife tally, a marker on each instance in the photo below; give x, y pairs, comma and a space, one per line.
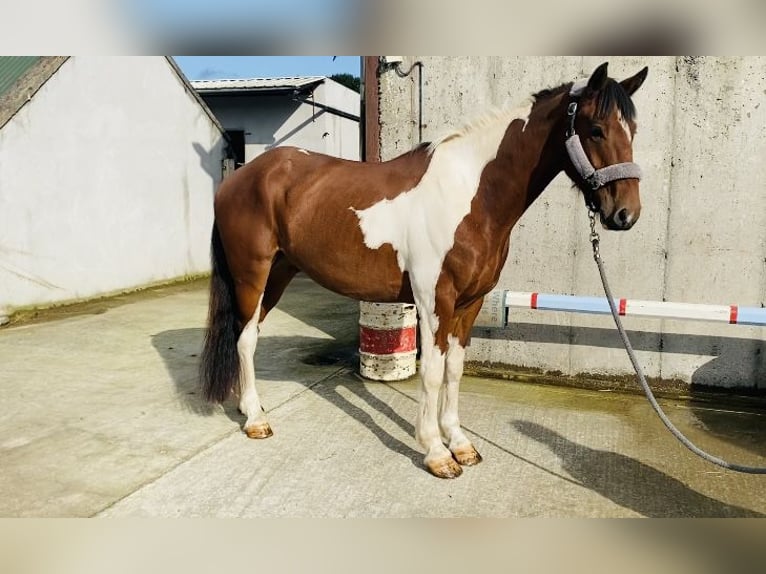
595, 178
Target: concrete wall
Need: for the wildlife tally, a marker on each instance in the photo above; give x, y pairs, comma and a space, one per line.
702, 233
106, 183
271, 121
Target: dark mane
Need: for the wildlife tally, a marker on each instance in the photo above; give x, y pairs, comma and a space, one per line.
613, 94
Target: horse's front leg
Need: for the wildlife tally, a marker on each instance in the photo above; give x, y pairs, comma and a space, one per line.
438, 458
449, 421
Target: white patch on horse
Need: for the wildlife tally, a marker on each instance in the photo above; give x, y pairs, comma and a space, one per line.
249, 402
301, 150
420, 224
526, 121
578, 87
626, 126
448, 411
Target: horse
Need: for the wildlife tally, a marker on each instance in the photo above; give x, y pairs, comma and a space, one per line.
430, 227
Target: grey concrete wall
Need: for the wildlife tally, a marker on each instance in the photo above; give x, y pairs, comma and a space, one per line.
107, 178
702, 233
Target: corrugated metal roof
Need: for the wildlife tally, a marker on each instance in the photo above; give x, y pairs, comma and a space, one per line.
255, 84
21, 78
12, 68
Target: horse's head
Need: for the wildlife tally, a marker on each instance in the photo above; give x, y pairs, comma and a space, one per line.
600, 130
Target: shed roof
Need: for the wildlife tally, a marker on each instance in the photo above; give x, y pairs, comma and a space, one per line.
260, 85
20, 78
12, 68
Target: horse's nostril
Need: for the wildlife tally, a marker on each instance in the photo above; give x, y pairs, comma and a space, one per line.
622, 216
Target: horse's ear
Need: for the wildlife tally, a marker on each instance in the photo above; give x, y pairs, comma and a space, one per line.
632, 84
599, 78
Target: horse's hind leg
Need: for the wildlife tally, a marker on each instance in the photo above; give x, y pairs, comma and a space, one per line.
256, 425
276, 277
250, 300
282, 272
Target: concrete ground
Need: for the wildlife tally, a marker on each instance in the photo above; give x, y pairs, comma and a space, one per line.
102, 417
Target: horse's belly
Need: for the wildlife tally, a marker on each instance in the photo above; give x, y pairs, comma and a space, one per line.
356, 271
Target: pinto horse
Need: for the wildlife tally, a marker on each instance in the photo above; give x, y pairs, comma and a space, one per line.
430, 227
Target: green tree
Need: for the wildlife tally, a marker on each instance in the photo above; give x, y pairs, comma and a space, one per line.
348, 80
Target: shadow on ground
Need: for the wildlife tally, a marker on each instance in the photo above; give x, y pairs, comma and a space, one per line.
717, 382
622, 479
179, 349
330, 391
333, 315
628, 482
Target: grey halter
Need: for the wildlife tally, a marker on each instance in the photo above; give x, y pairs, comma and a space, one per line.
595, 178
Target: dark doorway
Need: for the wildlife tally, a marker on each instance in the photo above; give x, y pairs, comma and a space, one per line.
237, 139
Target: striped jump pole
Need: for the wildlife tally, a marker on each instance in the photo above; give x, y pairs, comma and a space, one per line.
494, 312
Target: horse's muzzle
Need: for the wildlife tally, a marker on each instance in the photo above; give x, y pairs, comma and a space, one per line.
621, 219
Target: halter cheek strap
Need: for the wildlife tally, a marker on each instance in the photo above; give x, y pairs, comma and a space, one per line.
595, 178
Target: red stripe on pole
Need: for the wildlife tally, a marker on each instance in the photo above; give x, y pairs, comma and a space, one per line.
733, 314
533, 301
386, 341
623, 305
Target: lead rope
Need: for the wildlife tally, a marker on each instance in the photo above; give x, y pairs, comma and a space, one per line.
595, 239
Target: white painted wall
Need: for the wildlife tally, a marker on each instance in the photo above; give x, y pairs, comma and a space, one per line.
343, 134
702, 234
271, 121
106, 183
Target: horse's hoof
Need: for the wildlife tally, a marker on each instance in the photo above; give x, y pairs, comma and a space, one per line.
261, 430
444, 468
467, 455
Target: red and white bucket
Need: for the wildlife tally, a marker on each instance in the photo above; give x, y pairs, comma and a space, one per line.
387, 341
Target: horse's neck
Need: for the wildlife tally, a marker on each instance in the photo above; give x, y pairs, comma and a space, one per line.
528, 159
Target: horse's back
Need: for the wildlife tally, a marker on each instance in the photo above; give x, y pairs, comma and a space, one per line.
306, 205
308, 176
272, 172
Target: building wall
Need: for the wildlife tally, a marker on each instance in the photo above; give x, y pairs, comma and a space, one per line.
343, 139
702, 233
107, 177
272, 121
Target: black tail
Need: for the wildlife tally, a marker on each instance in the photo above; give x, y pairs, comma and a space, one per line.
219, 368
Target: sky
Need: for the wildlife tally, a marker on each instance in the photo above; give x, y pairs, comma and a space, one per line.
256, 14
226, 67
236, 26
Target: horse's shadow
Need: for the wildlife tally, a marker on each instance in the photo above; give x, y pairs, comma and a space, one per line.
624, 480
735, 359
331, 391
180, 348
628, 482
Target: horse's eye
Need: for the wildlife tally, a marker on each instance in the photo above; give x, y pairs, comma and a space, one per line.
596, 132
